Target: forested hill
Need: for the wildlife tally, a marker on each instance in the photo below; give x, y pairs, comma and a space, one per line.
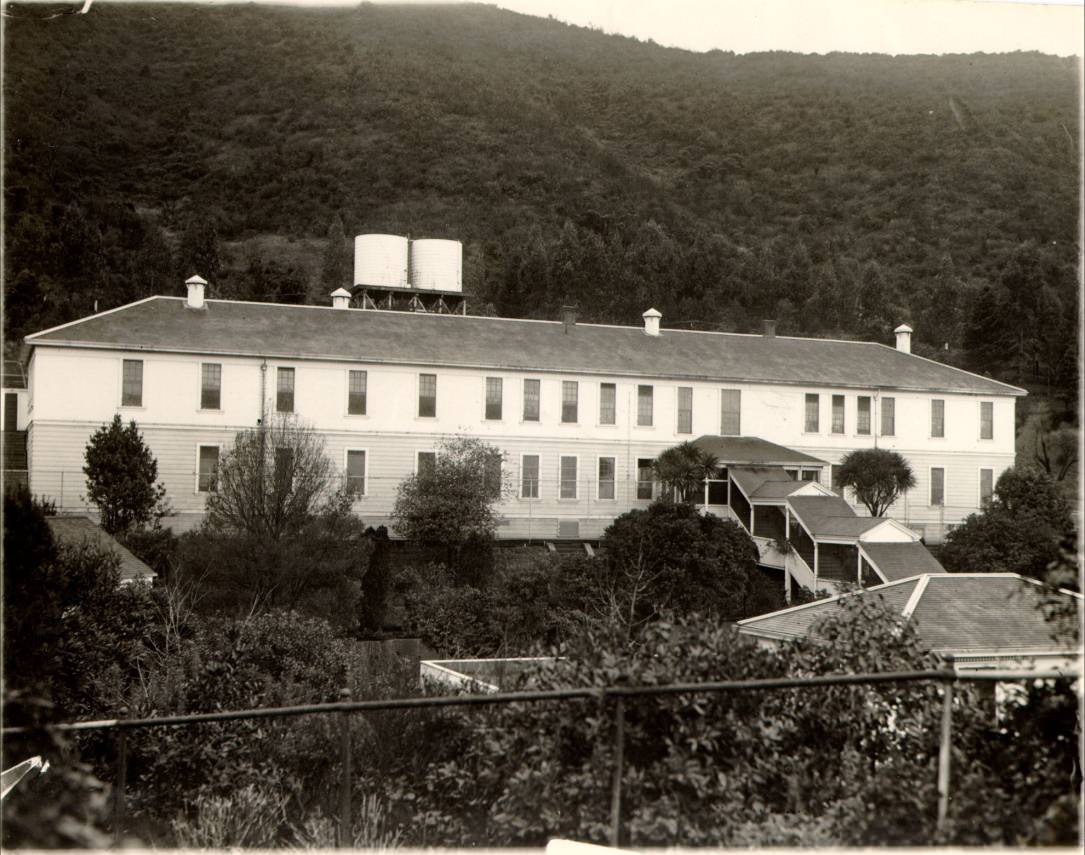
840, 194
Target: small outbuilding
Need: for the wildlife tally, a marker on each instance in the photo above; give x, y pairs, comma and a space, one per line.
77, 530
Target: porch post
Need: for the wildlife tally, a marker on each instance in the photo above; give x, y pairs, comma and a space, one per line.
815, 564
858, 566
787, 555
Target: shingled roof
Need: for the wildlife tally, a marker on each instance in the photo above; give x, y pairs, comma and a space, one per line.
314, 332
82, 531
752, 450
897, 561
830, 516
954, 613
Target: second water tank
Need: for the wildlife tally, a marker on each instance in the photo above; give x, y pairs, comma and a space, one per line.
437, 265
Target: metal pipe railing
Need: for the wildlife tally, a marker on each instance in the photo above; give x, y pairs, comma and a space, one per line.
602, 694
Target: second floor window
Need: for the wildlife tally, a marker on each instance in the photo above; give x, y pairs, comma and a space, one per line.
889, 416
862, 423
132, 383
812, 410
210, 386
284, 390
493, 398
357, 387
938, 418
685, 409
838, 413
207, 479
987, 420
355, 472
608, 396
644, 406
529, 476
427, 396
531, 400
730, 412
569, 397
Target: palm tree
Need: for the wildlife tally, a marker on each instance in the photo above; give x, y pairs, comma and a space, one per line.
682, 471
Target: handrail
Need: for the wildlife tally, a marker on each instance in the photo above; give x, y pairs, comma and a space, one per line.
599, 693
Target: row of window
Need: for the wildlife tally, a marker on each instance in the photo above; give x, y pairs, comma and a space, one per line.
730, 402
864, 407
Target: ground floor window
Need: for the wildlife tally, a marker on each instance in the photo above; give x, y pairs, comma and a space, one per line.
567, 488
529, 476
606, 477
208, 474
645, 478
356, 472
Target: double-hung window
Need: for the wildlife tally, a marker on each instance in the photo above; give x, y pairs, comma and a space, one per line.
425, 464
607, 471
938, 418
355, 472
987, 420
284, 390
210, 386
493, 398
685, 409
491, 476
357, 387
889, 416
862, 423
132, 383
813, 407
938, 486
730, 412
529, 476
531, 400
569, 399
987, 486
608, 397
207, 477
427, 396
567, 486
645, 478
645, 400
838, 413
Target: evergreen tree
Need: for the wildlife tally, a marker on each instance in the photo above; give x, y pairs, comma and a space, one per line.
122, 477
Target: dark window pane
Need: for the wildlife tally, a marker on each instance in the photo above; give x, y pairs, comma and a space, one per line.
838, 413
567, 488
356, 473
863, 424
209, 469
607, 404
531, 400
210, 386
645, 478
132, 384
606, 477
529, 476
569, 396
812, 412
284, 390
889, 416
427, 396
644, 406
356, 393
493, 398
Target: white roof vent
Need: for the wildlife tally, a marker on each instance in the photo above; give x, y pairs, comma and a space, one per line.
196, 286
651, 322
340, 298
904, 338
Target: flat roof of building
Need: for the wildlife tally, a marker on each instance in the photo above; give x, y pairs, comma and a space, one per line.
279, 331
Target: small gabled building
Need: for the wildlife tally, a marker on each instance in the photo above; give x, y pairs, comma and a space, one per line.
974, 621
75, 530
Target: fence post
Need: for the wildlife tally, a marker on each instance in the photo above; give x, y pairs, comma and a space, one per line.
944, 753
345, 835
122, 780
616, 783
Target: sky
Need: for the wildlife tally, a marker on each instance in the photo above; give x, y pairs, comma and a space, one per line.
816, 26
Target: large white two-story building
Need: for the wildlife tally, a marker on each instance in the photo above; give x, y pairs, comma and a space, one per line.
579, 410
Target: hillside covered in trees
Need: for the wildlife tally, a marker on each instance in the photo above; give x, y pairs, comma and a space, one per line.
840, 194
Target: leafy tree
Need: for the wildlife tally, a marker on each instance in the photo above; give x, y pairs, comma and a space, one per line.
670, 556
452, 501
271, 481
1052, 447
1019, 531
122, 477
682, 471
878, 477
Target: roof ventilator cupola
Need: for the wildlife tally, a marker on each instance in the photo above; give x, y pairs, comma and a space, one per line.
196, 286
340, 298
904, 338
768, 327
651, 322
